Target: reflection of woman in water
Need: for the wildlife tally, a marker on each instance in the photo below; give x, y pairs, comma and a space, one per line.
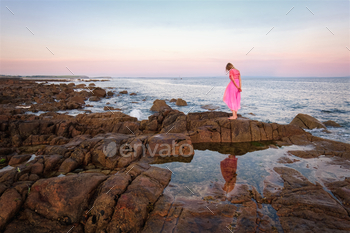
228, 170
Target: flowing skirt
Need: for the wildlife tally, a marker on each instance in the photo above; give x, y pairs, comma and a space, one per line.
232, 97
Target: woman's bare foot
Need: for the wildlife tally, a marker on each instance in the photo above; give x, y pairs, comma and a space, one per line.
232, 118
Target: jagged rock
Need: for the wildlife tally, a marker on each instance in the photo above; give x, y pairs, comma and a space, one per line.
159, 105
181, 102
302, 205
63, 197
106, 201
133, 206
307, 122
123, 92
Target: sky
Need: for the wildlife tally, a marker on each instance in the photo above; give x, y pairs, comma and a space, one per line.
175, 38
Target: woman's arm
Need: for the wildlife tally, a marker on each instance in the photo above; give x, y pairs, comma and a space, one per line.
233, 80
240, 82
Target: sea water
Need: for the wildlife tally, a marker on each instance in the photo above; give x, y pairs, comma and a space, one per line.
265, 99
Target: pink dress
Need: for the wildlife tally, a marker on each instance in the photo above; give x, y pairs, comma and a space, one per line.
232, 97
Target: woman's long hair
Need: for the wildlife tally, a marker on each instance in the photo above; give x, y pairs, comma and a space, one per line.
229, 66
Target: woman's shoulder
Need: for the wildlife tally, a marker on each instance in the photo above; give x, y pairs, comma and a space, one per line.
235, 71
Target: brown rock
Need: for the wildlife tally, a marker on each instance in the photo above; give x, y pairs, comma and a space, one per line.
133, 206
106, 201
241, 131
247, 220
63, 197
37, 168
341, 189
68, 165
331, 124
181, 102
77, 99
99, 92
123, 92
170, 144
303, 206
159, 105
179, 126
239, 194
307, 122
16, 140
206, 134
62, 96
80, 85
18, 159
152, 125
28, 128
10, 202
51, 162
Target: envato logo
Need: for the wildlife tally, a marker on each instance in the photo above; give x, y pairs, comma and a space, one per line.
155, 149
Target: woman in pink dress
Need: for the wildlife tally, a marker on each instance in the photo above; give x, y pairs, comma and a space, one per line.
232, 95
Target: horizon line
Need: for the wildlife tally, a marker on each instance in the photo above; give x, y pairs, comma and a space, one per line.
108, 76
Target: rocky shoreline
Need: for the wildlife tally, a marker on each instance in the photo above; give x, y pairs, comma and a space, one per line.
59, 176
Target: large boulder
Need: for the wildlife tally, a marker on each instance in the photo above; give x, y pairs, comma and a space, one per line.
159, 105
307, 122
63, 197
99, 92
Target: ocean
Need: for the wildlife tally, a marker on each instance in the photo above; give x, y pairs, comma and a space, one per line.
265, 99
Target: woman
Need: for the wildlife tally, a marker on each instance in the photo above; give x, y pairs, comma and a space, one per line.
232, 95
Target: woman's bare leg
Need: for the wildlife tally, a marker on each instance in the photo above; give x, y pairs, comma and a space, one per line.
234, 115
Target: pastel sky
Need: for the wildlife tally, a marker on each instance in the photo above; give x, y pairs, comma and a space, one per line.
175, 38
